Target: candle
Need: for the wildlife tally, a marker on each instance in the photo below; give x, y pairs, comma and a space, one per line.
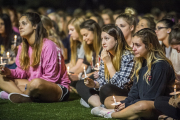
85, 76
7, 54
92, 62
98, 66
175, 91
114, 100
15, 38
68, 69
1, 60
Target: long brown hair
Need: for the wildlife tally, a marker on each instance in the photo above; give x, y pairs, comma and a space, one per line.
119, 48
40, 33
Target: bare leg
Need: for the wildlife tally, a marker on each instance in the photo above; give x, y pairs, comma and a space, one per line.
43, 90
139, 109
109, 100
21, 83
8, 85
94, 100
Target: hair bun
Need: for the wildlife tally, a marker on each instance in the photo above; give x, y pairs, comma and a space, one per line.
131, 11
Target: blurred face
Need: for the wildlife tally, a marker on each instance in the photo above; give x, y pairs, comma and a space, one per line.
11, 15
2, 27
72, 32
108, 42
162, 31
177, 47
88, 36
25, 28
106, 19
139, 47
52, 17
142, 24
124, 26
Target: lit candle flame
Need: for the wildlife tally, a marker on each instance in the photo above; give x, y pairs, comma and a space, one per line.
7, 54
98, 65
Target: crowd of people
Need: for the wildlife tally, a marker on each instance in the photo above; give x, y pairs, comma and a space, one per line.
121, 58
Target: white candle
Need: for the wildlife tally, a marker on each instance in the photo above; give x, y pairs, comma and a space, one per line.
15, 38
114, 100
1, 60
68, 69
98, 66
7, 54
85, 73
175, 91
92, 62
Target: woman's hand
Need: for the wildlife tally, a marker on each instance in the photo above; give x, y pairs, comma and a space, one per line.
96, 74
89, 82
105, 56
119, 107
5, 71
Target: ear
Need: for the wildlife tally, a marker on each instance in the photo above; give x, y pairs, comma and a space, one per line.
168, 30
34, 27
150, 46
132, 28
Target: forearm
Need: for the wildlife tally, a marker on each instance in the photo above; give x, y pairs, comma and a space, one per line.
111, 69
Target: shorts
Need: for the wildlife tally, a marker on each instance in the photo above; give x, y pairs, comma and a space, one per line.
65, 93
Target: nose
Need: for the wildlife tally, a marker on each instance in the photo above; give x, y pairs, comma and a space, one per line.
103, 42
84, 38
70, 32
134, 48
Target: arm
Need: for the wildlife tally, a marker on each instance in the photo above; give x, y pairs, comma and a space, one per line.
18, 72
123, 76
77, 66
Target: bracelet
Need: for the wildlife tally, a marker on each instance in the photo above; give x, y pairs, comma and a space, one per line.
95, 84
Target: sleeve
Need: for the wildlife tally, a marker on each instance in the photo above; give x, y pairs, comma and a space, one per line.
81, 52
18, 72
101, 79
133, 95
51, 65
124, 74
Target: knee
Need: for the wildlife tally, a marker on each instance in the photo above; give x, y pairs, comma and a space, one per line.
140, 107
35, 84
108, 102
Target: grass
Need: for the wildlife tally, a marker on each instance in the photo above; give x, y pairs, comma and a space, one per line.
70, 110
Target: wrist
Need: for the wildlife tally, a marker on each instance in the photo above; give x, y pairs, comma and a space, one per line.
95, 84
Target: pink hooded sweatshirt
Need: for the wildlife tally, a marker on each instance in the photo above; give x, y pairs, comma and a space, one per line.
51, 67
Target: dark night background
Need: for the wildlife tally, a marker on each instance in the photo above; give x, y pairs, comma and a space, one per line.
142, 6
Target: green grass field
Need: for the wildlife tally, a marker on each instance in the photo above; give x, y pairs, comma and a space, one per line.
70, 110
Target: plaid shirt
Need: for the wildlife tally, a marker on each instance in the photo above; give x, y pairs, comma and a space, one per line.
120, 77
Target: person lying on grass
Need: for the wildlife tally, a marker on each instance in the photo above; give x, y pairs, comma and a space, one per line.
154, 76
41, 72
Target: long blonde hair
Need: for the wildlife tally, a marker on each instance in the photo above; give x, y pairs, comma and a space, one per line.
119, 48
76, 22
40, 33
91, 25
155, 52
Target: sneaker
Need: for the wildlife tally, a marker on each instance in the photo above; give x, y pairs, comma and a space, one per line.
3, 95
84, 103
100, 111
19, 98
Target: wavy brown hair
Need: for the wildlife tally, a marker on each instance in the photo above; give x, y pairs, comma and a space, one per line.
40, 34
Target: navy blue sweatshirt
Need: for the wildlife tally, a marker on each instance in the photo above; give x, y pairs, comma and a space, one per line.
161, 81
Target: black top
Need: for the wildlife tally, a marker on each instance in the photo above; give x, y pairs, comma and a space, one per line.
160, 80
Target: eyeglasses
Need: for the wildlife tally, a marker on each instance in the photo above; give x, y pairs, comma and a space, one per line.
159, 28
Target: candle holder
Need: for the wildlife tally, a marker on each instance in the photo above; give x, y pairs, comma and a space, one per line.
115, 103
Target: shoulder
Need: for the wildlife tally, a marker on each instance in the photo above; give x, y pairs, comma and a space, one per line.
127, 55
48, 44
162, 64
